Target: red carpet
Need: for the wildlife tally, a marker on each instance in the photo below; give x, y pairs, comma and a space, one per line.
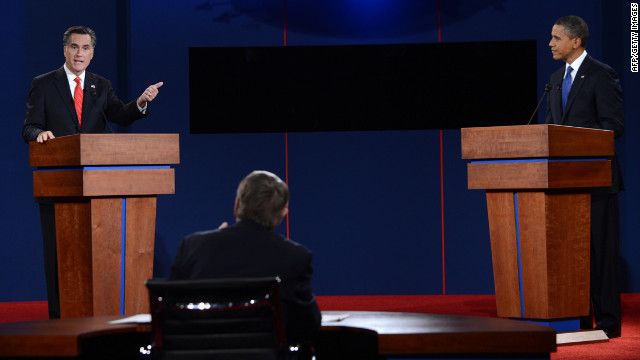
625, 348
23, 311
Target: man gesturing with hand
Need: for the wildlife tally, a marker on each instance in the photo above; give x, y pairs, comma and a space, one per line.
71, 100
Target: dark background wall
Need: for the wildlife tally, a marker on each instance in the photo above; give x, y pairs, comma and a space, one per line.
375, 207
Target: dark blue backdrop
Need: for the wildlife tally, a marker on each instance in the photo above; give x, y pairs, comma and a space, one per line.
368, 204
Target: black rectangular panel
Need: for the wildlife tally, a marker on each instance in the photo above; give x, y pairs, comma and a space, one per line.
362, 87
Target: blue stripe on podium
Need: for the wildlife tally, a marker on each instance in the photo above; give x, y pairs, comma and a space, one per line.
145, 167
123, 253
137, 167
518, 244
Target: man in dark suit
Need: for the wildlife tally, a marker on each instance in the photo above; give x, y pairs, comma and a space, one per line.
71, 100
587, 93
251, 248
67, 101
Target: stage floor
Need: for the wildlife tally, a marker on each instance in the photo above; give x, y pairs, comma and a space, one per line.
626, 347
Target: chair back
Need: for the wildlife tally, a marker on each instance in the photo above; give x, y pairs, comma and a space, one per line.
228, 319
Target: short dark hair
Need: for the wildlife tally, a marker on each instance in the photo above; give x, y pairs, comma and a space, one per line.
262, 197
575, 26
82, 30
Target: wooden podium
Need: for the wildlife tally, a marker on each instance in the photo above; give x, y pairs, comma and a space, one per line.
537, 180
103, 188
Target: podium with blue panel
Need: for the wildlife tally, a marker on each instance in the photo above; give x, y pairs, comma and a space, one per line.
537, 180
103, 188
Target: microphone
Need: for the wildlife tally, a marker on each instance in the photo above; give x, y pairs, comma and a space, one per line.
92, 90
547, 88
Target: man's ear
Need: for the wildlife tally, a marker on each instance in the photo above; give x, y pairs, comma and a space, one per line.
284, 211
577, 42
236, 206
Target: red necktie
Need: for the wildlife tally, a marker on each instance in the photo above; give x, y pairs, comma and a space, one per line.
77, 100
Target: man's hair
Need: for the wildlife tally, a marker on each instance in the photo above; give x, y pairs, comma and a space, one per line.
575, 27
82, 30
262, 197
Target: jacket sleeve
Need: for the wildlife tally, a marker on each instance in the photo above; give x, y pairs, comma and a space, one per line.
179, 269
119, 112
608, 97
34, 122
303, 314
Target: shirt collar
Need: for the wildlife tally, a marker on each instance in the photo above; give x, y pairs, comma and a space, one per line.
72, 77
248, 223
575, 65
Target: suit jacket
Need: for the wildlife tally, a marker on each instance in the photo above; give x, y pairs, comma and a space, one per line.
247, 249
595, 101
50, 106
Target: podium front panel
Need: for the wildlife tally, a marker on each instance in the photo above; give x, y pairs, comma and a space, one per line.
106, 149
539, 174
104, 181
540, 253
535, 141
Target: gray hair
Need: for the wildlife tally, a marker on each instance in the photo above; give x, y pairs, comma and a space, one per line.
262, 197
82, 30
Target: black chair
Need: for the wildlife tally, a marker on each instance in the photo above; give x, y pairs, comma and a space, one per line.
222, 319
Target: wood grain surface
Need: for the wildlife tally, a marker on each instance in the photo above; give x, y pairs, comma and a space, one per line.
535, 141
106, 149
68, 183
539, 175
106, 235
73, 239
140, 233
504, 253
399, 334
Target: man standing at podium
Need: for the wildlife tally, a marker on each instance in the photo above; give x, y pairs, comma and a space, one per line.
71, 100
587, 93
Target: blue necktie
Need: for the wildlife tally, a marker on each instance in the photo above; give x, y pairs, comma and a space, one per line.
566, 87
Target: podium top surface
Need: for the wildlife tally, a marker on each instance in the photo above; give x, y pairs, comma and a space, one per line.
535, 141
106, 149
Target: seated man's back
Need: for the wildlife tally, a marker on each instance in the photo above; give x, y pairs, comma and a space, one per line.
250, 248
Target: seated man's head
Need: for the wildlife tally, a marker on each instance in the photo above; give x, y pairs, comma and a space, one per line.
262, 197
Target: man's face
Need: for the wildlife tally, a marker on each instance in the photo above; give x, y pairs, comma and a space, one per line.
562, 46
78, 52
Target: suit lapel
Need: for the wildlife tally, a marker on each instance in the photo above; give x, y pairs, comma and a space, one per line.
88, 99
556, 101
62, 84
580, 78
